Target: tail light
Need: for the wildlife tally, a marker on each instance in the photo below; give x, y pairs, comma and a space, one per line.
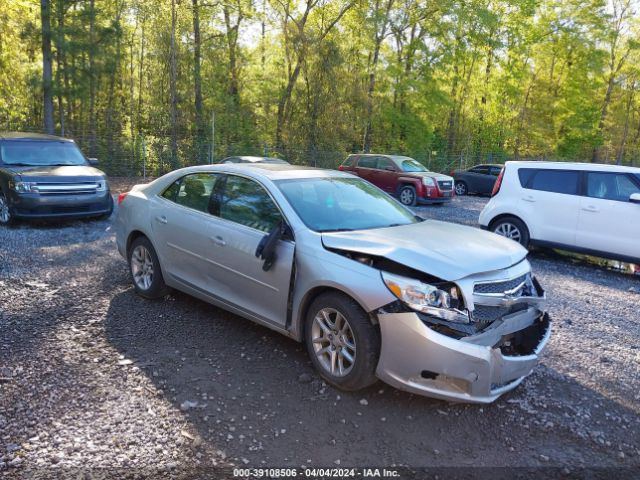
341, 168
452, 173
122, 196
498, 184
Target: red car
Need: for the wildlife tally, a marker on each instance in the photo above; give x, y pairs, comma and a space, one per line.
402, 176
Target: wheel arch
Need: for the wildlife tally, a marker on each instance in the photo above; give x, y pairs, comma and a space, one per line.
298, 328
502, 216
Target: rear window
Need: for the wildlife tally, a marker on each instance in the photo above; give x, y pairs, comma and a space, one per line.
555, 181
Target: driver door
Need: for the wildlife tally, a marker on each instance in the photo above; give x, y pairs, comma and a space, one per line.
244, 213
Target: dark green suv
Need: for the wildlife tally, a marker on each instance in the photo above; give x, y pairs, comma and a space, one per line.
42, 176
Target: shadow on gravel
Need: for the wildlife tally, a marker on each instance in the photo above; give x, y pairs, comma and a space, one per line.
252, 393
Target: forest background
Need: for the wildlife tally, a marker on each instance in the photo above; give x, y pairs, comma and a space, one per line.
159, 84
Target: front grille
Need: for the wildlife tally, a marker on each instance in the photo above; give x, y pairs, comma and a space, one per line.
445, 185
499, 287
485, 314
66, 188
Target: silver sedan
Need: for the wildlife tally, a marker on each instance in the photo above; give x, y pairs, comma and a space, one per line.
330, 260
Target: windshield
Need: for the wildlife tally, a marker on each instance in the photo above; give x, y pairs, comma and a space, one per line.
40, 153
339, 204
413, 166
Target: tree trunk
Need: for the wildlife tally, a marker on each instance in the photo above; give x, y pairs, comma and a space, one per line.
173, 77
197, 84
625, 133
595, 156
45, 15
379, 37
93, 141
59, 62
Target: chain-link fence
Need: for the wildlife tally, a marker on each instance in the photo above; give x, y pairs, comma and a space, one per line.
151, 155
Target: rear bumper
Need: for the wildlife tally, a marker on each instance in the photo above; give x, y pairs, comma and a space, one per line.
420, 360
36, 206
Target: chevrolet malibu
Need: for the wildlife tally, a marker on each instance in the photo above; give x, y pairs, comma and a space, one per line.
330, 260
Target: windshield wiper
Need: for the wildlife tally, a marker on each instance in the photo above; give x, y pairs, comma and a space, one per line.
18, 164
337, 230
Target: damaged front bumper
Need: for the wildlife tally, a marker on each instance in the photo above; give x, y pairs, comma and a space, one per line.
477, 368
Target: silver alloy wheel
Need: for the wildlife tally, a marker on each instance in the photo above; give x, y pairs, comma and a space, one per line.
333, 342
5, 215
406, 196
509, 230
142, 267
461, 189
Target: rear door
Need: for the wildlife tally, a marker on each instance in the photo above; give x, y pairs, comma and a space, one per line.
550, 203
478, 178
180, 220
366, 167
608, 221
245, 214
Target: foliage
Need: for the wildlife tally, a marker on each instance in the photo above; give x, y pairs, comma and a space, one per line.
445, 81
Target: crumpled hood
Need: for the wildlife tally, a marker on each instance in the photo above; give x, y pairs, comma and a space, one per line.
445, 250
54, 173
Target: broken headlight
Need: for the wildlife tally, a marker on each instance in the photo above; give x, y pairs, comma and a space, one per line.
440, 301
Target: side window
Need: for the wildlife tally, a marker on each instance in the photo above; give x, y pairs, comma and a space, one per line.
525, 174
367, 162
384, 163
171, 192
247, 203
610, 186
482, 169
555, 181
348, 162
195, 190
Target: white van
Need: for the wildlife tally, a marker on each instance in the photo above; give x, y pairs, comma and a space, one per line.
588, 208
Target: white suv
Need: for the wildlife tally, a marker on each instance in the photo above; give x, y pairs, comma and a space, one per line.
589, 208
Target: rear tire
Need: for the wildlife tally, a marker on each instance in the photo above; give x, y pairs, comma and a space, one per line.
145, 270
407, 195
343, 344
513, 228
6, 214
461, 189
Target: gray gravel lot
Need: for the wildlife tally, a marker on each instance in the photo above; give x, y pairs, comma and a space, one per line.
93, 376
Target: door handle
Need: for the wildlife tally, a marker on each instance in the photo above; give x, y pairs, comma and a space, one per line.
162, 219
590, 208
218, 240
529, 198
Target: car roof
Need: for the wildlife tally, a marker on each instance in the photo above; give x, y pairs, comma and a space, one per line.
392, 157
498, 165
253, 159
600, 167
271, 171
32, 136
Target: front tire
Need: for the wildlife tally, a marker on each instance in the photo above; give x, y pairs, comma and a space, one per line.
461, 189
343, 344
407, 196
513, 228
145, 270
6, 214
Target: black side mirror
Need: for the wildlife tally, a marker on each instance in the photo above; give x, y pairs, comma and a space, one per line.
267, 247
92, 161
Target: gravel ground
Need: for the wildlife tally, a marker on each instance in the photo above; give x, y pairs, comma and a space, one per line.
93, 376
